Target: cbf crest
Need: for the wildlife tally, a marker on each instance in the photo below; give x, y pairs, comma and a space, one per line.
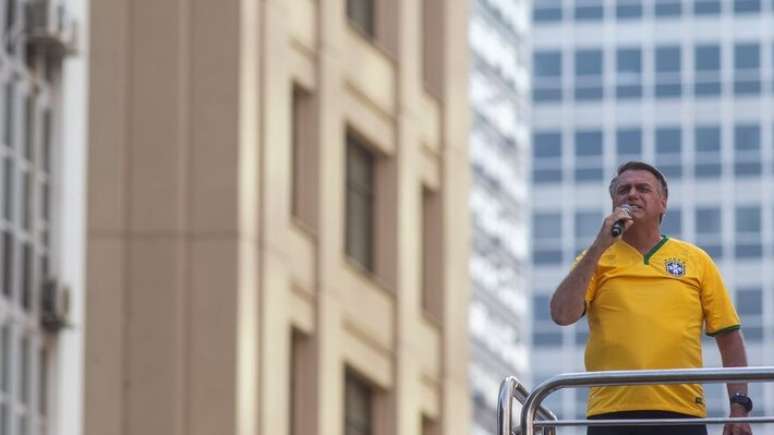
675, 267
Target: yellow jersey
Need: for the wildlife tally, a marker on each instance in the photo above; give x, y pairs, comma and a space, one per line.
647, 312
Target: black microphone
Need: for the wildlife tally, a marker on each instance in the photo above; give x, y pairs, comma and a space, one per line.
620, 224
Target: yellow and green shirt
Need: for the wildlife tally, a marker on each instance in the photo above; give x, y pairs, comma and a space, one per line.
647, 312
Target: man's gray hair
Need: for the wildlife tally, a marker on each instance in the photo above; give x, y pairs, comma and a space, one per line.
636, 165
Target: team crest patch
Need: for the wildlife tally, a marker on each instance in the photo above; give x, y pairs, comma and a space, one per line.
675, 267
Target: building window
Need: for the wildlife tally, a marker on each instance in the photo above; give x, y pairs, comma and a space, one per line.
707, 152
358, 406
360, 203
547, 11
588, 155
11, 24
547, 238
668, 8
547, 157
544, 331
707, 70
25, 177
588, 74
747, 6
547, 76
672, 224
587, 225
747, 64
669, 148
747, 150
668, 72
431, 254
304, 159
706, 7
628, 144
589, 10
748, 232
749, 304
302, 377
628, 66
709, 230
628, 9
361, 14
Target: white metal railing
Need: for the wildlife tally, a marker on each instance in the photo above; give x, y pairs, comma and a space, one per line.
511, 389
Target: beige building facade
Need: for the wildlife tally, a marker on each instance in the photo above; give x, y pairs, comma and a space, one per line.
277, 218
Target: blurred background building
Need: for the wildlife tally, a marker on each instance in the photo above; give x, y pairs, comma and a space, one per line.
686, 85
499, 147
256, 209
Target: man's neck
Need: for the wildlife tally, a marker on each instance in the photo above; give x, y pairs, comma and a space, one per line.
642, 238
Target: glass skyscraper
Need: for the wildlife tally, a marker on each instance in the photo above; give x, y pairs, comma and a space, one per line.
499, 93
687, 86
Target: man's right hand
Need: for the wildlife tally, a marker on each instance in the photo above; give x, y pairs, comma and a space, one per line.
605, 237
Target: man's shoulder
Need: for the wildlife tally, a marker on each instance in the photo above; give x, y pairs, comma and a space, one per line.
688, 249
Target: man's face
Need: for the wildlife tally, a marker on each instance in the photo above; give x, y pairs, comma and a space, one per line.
642, 191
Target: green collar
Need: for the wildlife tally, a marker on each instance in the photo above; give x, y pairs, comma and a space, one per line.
653, 250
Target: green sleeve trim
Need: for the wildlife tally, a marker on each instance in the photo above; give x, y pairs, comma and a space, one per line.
724, 330
653, 250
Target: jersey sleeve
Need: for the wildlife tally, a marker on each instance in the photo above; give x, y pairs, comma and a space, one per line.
719, 313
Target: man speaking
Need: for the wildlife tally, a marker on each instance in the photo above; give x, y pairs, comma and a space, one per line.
647, 298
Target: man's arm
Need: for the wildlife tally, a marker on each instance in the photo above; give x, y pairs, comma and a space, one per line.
732, 353
568, 304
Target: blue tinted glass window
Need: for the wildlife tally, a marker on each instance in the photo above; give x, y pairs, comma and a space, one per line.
547, 64
552, 338
747, 138
706, 7
547, 76
628, 63
588, 143
668, 151
747, 56
707, 65
668, 68
546, 225
540, 306
547, 144
587, 223
747, 155
588, 63
668, 140
673, 222
708, 221
588, 10
629, 72
588, 74
547, 11
748, 219
747, 6
707, 139
668, 8
747, 69
629, 143
628, 9
668, 59
707, 57
548, 175
749, 301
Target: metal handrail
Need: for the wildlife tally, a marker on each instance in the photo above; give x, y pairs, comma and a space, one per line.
511, 388
627, 377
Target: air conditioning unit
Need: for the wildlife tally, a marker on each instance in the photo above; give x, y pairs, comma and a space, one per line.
54, 306
49, 25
